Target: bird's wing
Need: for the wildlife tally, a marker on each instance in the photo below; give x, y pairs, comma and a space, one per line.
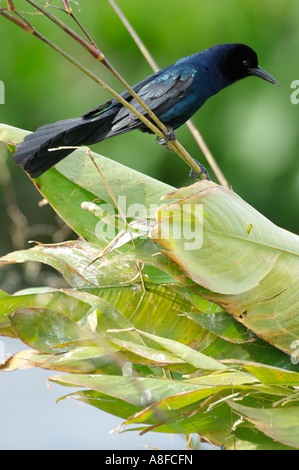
160, 91
160, 94
165, 91
126, 95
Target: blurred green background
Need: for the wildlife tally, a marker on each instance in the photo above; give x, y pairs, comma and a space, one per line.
251, 127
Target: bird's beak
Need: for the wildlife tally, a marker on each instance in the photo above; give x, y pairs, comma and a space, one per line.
259, 72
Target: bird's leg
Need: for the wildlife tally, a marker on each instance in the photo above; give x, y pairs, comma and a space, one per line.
203, 171
169, 135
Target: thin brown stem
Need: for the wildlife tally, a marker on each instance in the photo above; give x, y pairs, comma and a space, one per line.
207, 153
10, 5
70, 12
67, 7
135, 36
89, 47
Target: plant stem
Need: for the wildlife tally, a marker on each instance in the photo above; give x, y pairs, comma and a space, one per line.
153, 64
207, 153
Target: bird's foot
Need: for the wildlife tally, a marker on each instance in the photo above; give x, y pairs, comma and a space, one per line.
169, 136
203, 171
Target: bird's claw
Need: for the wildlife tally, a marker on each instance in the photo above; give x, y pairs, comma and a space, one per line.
169, 136
203, 171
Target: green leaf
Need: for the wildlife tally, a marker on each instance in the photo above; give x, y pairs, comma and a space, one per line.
52, 300
49, 331
185, 353
253, 274
82, 359
273, 375
77, 262
149, 390
281, 424
12, 135
212, 317
155, 356
104, 402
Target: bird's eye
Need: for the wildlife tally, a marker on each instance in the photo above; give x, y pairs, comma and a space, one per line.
245, 63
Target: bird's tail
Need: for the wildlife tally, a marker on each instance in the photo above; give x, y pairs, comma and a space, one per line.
33, 153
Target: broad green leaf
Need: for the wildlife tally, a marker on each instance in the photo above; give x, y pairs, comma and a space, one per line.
67, 203
149, 390
224, 326
232, 378
49, 331
77, 262
59, 301
155, 356
82, 359
272, 375
104, 402
105, 316
82, 265
281, 424
126, 308
135, 187
185, 353
158, 268
253, 274
214, 425
246, 438
12, 135
212, 317
231, 269
52, 300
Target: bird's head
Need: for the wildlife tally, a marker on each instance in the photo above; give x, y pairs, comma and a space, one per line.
239, 61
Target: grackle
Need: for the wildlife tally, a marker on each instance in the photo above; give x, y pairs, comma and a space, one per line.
174, 94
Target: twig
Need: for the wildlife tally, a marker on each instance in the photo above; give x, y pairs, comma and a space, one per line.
135, 36
196, 134
70, 12
207, 153
67, 7
92, 49
10, 5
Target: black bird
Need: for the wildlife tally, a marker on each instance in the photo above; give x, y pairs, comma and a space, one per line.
174, 94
